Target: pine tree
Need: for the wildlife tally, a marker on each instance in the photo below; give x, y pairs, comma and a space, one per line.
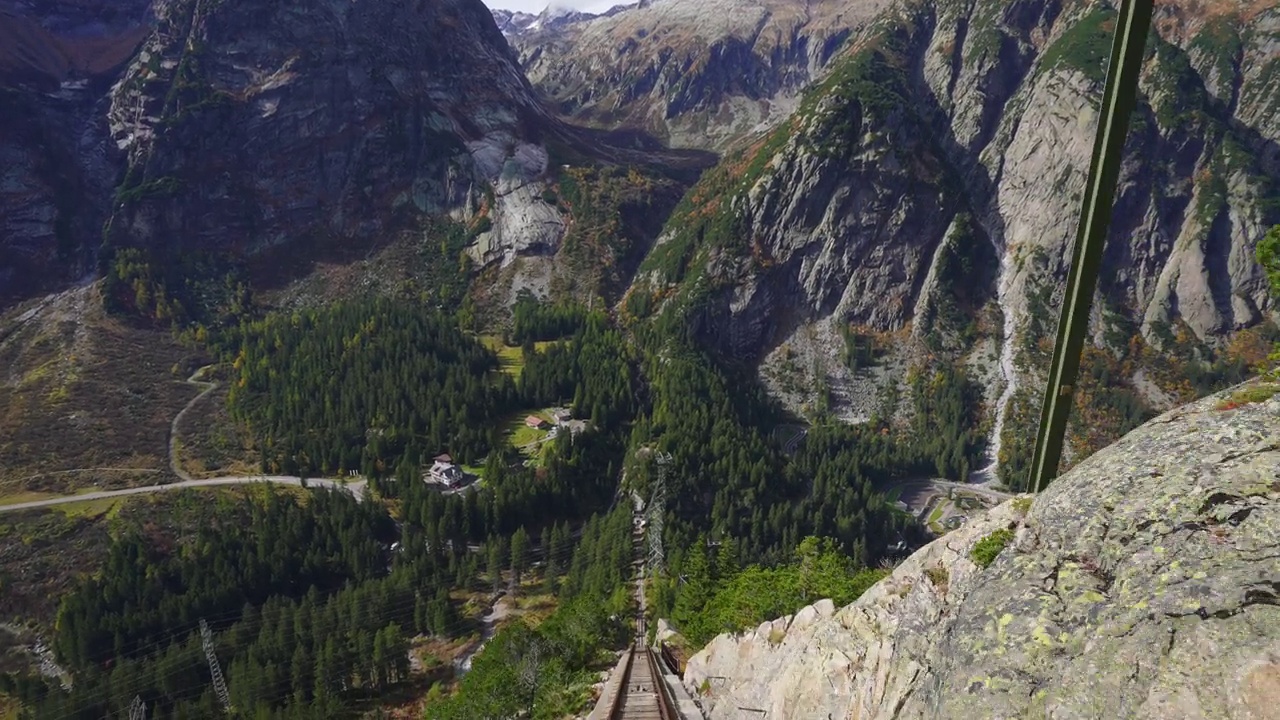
696, 585
380, 659
726, 568
497, 560
519, 553
421, 614
301, 667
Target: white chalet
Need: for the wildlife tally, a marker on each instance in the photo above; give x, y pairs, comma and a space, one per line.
446, 473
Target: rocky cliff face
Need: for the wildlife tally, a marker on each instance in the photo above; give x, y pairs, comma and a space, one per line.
232, 128
697, 74
553, 19
248, 125
241, 126
56, 63
983, 114
1142, 584
512, 22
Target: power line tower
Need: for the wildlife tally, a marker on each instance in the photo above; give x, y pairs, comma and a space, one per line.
137, 709
219, 685
656, 512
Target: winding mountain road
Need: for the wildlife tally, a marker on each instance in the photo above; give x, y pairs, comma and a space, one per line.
355, 487
206, 388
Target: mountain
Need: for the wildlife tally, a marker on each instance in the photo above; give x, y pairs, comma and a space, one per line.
552, 19
163, 158
696, 74
911, 202
250, 125
57, 61
924, 196
512, 22
1140, 582
250, 130
247, 237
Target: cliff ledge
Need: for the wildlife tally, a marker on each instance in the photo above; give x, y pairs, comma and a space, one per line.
1145, 583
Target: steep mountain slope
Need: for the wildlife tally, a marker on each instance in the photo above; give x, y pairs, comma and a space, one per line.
1142, 584
56, 62
696, 74
253, 130
248, 125
70, 38
552, 18
240, 128
512, 22
953, 138
86, 399
29, 53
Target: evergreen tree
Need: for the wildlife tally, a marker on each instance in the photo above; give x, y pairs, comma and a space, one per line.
695, 586
498, 554
519, 554
726, 567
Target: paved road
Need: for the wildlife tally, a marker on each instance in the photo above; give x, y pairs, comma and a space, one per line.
355, 487
926, 494
794, 443
975, 489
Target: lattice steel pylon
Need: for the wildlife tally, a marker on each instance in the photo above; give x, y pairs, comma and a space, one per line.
137, 709
656, 512
219, 685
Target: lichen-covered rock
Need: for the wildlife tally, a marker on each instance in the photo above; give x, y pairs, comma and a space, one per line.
1144, 583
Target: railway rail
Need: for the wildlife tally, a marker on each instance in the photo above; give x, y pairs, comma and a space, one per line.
637, 689
642, 695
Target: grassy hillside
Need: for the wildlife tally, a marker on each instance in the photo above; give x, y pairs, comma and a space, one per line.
85, 398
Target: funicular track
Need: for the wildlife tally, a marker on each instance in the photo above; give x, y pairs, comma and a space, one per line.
642, 696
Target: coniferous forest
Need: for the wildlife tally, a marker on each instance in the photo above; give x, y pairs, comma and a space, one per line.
312, 610
314, 597
358, 385
355, 352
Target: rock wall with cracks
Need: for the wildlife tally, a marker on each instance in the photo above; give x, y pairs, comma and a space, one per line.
57, 61
1144, 583
254, 124
697, 74
1000, 124
988, 109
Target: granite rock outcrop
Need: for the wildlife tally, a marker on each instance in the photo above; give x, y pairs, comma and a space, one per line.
1144, 583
